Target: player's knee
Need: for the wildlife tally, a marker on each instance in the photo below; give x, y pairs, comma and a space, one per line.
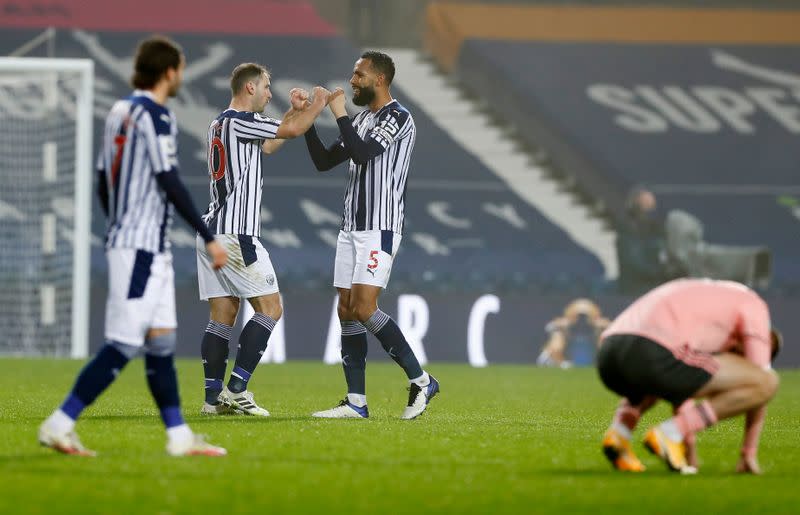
225, 313
344, 312
161, 345
768, 385
276, 311
129, 351
362, 312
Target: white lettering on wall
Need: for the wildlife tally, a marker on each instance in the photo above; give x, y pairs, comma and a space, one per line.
482, 308
413, 317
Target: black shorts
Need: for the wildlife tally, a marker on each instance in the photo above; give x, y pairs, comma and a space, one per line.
635, 367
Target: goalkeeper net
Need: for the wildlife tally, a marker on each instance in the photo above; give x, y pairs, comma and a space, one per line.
45, 205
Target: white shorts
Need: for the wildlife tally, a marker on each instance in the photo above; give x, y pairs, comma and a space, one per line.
248, 274
141, 294
364, 257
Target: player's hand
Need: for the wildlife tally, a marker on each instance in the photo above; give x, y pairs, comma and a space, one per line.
299, 98
219, 257
336, 102
748, 465
321, 95
335, 94
337, 98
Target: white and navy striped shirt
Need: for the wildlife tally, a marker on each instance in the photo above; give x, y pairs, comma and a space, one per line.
376, 191
139, 142
234, 166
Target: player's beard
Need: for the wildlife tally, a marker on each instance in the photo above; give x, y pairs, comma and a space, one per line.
365, 96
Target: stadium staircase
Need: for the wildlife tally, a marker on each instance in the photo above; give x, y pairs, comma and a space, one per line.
468, 123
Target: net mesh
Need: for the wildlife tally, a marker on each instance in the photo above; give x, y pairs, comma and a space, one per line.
37, 165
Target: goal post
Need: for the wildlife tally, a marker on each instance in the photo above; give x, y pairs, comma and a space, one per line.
46, 110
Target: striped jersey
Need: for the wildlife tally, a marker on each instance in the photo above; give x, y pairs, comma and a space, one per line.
139, 142
234, 167
376, 191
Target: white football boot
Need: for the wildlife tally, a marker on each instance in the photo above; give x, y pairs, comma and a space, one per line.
243, 402
195, 446
67, 443
345, 409
419, 397
218, 409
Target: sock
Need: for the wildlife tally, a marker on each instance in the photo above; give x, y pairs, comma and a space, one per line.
423, 380
354, 357
179, 434
695, 418
214, 351
622, 429
60, 422
163, 383
394, 343
95, 377
357, 399
671, 430
626, 416
252, 344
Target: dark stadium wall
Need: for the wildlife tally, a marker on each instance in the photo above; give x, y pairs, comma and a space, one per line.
459, 328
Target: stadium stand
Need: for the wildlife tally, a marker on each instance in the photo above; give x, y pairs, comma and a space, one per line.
450, 235
700, 100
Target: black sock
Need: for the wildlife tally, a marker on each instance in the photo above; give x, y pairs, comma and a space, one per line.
163, 383
252, 344
95, 377
354, 356
394, 343
214, 350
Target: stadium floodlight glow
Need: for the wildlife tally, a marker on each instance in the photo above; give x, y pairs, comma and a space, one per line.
46, 109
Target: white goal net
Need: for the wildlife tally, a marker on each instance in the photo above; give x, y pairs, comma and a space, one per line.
45, 205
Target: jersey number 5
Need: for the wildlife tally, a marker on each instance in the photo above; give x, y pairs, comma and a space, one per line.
373, 260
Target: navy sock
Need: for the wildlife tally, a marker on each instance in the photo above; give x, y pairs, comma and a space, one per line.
214, 351
354, 356
393, 342
95, 377
252, 344
163, 383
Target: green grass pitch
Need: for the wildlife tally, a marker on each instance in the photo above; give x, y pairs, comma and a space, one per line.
504, 439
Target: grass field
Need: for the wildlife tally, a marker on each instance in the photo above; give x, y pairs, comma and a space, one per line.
497, 440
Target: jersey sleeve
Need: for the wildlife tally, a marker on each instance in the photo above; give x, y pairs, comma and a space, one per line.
393, 125
160, 131
755, 331
256, 127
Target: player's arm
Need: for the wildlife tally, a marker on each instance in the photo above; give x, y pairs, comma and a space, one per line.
102, 190
324, 158
299, 101
299, 124
102, 186
270, 146
389, 127
757, 348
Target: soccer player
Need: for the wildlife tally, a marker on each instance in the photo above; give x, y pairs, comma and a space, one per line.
378, 142
689, 339
236, 140
138, 188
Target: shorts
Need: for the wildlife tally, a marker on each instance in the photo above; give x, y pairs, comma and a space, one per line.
364, 257
248, 274
141, 294
634, 366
